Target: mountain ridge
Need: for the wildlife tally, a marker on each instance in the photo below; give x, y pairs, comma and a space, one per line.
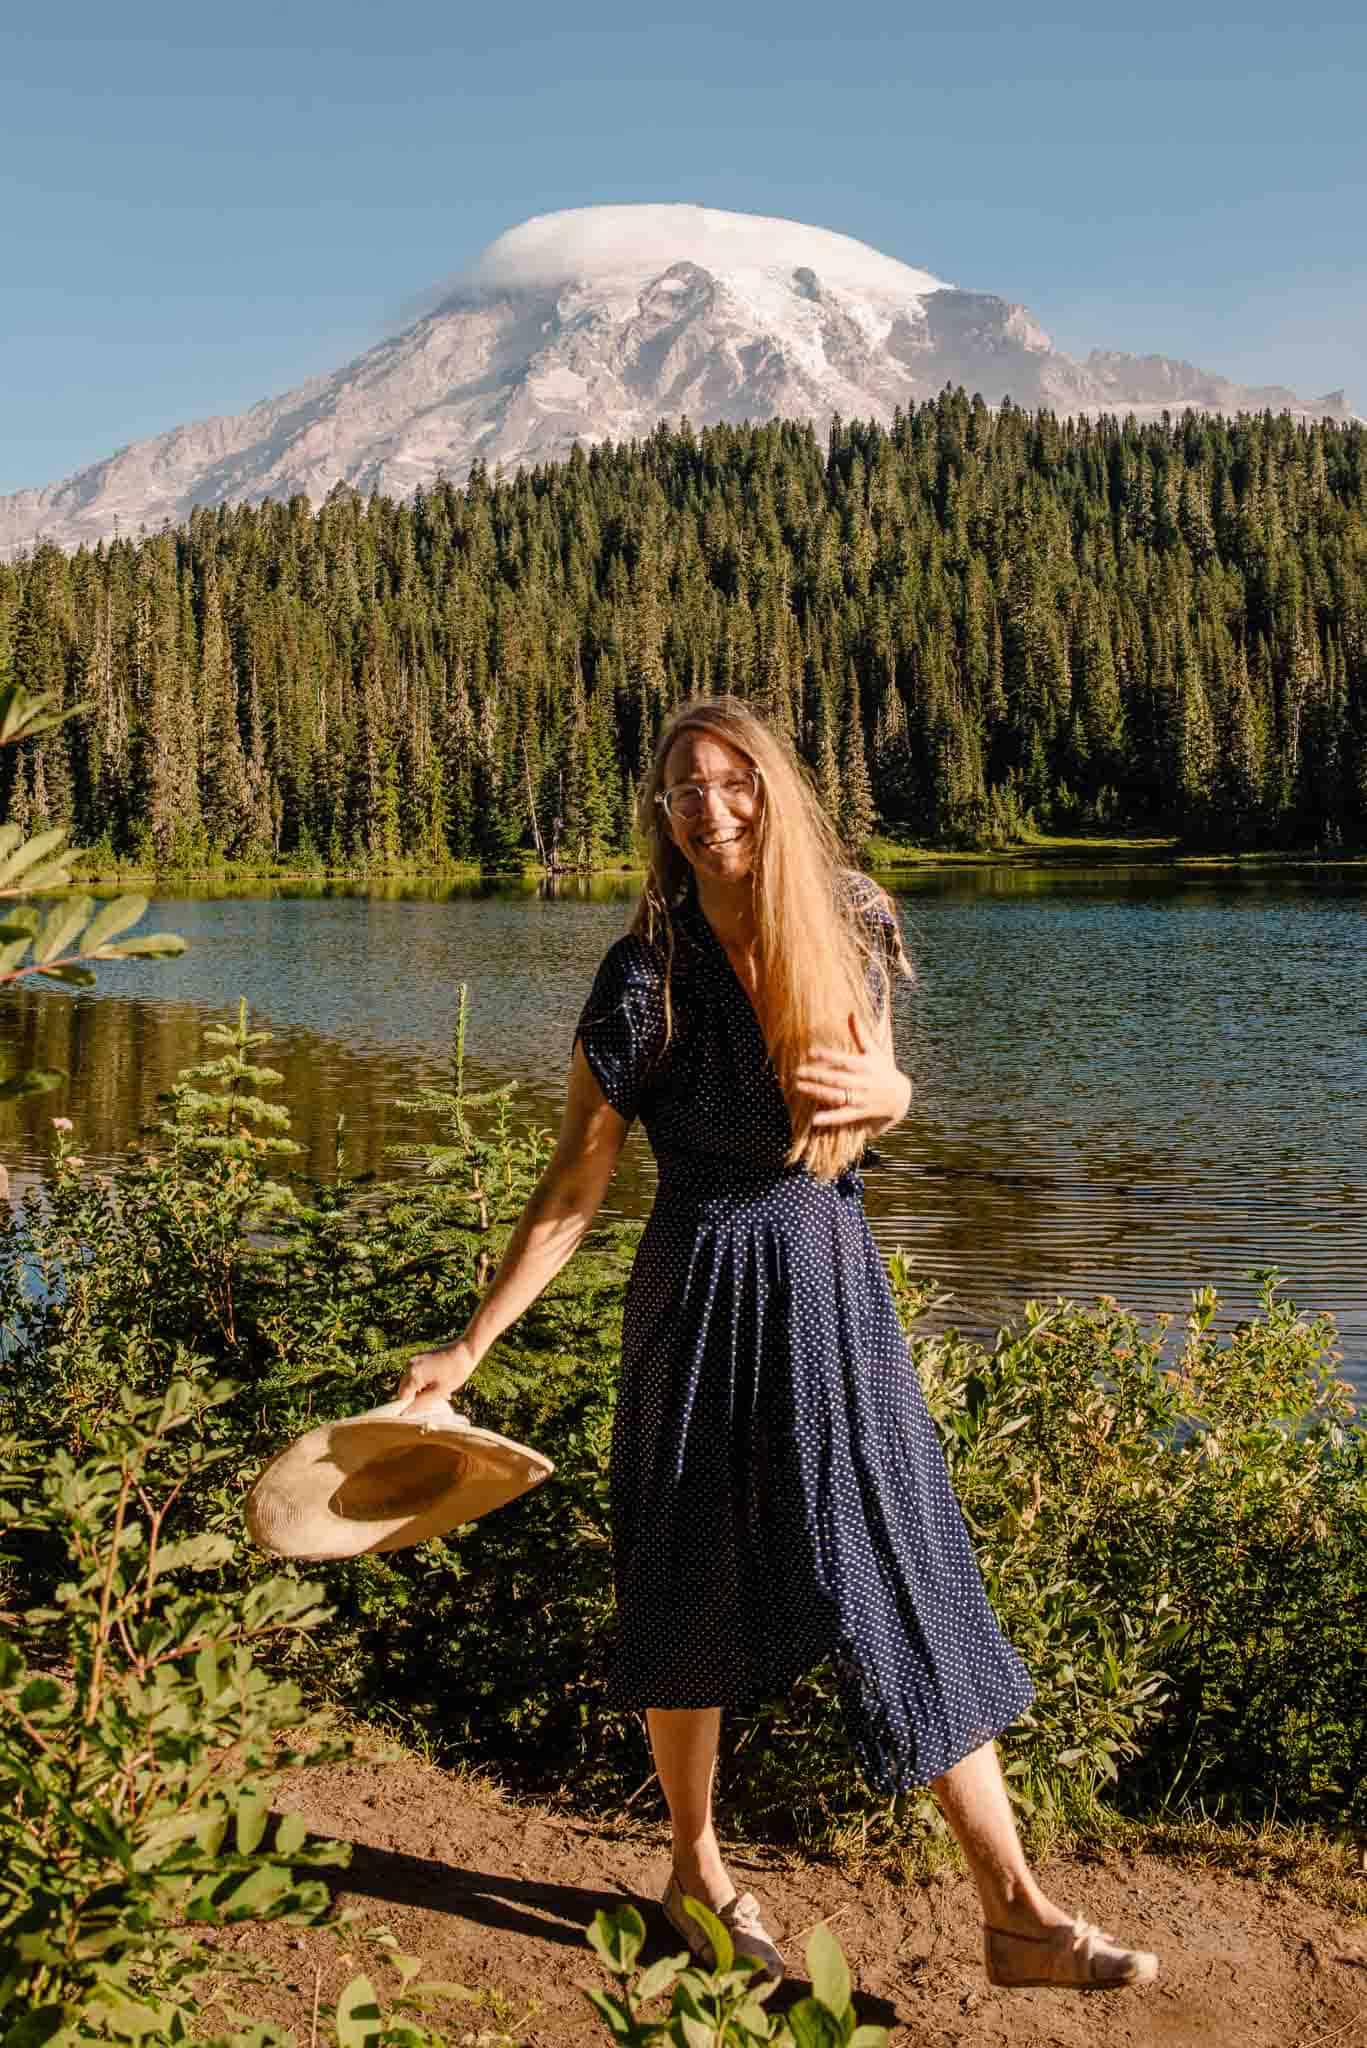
603, 323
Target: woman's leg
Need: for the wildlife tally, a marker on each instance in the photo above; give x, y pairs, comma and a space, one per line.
974, 1801
1028, 1939
684, 1742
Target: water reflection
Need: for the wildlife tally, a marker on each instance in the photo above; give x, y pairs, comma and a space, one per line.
1127, 1081
120, 1052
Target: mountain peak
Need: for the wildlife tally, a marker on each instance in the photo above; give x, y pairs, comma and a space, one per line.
602, 323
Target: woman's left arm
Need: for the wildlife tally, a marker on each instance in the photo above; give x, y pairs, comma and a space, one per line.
864, 1086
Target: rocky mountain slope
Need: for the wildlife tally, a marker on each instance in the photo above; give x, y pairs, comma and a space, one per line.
601, 323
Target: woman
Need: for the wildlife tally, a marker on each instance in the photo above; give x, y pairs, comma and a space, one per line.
778, 1493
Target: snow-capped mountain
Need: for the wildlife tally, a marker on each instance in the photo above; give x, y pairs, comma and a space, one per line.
601, 323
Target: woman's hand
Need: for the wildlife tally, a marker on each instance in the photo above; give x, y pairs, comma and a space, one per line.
865, 1086
436, 1374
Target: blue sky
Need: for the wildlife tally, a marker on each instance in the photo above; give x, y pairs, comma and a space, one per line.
202, 206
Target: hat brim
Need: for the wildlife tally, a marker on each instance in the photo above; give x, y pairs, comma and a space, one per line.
384, 1481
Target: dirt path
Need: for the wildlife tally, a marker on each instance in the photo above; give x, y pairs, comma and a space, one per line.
496, 1897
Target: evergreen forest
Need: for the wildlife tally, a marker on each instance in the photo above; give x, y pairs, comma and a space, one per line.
973, 623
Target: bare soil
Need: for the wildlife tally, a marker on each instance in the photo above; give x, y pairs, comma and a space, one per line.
496, 1895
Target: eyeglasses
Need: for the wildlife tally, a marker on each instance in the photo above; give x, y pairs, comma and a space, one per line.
686, 799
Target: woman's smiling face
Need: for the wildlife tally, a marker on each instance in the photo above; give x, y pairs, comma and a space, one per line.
719, 844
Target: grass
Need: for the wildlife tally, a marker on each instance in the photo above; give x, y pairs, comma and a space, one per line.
89, 869
87, 866
1043, 849
885, 855
1326, 1872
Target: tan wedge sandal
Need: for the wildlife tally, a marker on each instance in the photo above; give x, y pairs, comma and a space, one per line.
740, 1918
1075, 1956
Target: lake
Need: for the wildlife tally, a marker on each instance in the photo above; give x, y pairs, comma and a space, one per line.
1128, 1081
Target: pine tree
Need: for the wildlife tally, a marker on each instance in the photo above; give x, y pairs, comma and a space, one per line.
590, 823
1197, 782
821, 752
894, 771
225, 801
497, 805
1243, 754
857, 816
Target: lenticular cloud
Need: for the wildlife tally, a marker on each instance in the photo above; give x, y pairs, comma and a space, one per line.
621, 242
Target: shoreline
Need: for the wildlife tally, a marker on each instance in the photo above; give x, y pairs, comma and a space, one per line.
883, 857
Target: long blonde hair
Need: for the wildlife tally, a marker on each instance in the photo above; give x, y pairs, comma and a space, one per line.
815, 949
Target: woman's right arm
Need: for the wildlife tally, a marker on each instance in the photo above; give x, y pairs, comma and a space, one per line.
559, 1211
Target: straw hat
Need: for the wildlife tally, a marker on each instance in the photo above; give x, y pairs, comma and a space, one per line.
383, 1480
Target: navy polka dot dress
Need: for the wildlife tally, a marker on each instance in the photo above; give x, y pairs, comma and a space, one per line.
779, 1496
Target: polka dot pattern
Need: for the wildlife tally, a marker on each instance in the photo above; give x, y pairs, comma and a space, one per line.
779, 1496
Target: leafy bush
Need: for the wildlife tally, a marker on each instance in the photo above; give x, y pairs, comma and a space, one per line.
309, 1298
136, 1736
362, 2017
1178, 1544
140, 1751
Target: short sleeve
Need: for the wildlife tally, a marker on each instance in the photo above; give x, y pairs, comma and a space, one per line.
878, 915
886, 930
623, 1022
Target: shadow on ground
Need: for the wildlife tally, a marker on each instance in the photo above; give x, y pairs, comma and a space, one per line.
509, 1905
526, 1908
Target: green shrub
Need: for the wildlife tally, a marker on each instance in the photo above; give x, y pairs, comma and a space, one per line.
310, 1297
1177, 1541
137, 1752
